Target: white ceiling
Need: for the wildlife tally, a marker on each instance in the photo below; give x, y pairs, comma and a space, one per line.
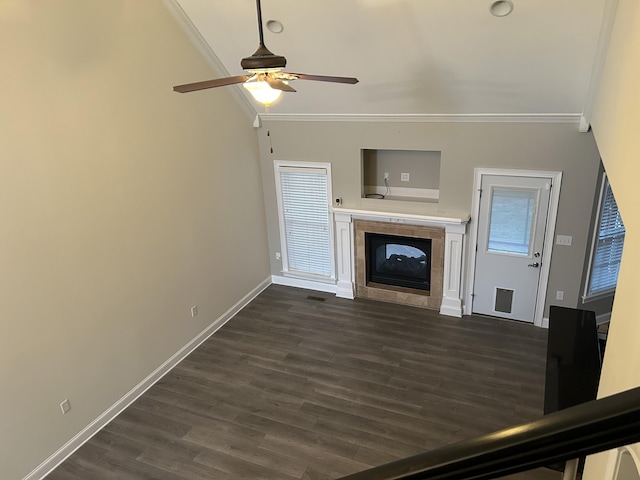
437, 57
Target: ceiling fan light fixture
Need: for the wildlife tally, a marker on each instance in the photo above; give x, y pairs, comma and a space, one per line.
262, 92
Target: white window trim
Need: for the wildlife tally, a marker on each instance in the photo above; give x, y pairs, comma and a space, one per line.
278, 164
586, 296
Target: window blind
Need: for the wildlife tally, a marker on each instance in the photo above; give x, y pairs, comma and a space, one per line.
305, 214
608, 249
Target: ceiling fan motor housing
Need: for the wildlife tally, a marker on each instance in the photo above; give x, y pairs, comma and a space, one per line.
263, 58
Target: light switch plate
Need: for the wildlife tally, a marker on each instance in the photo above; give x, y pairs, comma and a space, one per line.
564, 240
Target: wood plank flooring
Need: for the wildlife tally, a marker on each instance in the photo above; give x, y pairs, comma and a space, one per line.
304, 385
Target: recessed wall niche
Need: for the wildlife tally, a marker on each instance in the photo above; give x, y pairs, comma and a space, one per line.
413, 175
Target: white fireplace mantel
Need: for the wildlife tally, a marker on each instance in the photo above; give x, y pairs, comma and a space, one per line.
455, 230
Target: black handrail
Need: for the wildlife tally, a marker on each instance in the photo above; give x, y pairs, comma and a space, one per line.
582, 430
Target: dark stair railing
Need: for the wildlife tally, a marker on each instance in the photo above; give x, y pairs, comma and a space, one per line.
582, 430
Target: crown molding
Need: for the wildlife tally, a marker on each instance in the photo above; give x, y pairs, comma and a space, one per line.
198, 41
606, 27
573, 118
584, 124
187, 26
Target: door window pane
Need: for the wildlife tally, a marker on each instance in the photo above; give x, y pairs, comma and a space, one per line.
305, 212
511, 222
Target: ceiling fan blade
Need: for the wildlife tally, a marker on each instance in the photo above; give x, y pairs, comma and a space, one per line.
325, 78
278, 84
218, 82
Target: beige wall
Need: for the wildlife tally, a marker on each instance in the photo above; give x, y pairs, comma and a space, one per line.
615, 125
122, 204
464, 146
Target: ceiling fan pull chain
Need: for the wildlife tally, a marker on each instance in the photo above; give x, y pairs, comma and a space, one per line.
269, 135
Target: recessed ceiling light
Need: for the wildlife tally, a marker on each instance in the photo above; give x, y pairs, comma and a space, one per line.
275, 26
501, 8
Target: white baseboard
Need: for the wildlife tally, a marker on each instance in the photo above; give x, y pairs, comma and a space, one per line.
600, 319
344, 289
303, 283
451, 307
94, 427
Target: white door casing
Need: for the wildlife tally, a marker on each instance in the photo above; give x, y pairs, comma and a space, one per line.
500, 276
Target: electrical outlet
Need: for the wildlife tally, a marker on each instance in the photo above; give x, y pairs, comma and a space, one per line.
194, 311
65, 406
559, 295
277, 255
404, 177
386, 175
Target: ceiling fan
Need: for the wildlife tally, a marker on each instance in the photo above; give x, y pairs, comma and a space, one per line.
265, 80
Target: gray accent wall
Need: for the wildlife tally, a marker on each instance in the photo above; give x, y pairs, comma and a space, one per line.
463, 147
423, 166
123, 204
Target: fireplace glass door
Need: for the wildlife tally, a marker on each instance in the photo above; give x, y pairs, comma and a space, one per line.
399, 261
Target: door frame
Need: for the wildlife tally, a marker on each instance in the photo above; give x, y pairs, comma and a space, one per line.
555, 177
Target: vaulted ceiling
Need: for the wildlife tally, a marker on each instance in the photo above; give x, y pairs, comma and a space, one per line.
413, 57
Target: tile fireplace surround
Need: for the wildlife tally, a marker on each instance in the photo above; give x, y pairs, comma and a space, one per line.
447, 235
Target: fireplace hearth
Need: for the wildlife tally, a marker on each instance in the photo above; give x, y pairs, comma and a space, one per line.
398, 260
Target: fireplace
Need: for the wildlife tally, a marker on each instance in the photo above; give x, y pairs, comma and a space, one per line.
400, 233
445, 262
398, 260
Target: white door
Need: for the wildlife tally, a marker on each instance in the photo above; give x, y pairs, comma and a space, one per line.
511, 230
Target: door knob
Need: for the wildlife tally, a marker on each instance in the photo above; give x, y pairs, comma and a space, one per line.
534, 265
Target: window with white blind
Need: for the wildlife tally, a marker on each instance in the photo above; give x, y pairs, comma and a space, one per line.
305, 222
606, 251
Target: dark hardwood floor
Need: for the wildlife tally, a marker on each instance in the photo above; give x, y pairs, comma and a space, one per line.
304, 385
